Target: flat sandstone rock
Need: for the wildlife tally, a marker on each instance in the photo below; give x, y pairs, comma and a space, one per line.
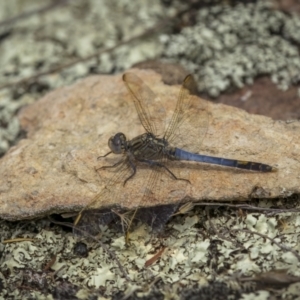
53, 170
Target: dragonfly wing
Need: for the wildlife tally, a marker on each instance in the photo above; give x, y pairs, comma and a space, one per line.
151, 114
152, 211
190, 120
90, 217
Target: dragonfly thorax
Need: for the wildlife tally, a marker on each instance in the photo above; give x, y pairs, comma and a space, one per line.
117, 143
147, 147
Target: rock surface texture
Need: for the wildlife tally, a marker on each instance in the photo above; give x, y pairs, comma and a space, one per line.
53, 170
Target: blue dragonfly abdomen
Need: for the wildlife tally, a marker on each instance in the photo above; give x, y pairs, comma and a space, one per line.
233, 163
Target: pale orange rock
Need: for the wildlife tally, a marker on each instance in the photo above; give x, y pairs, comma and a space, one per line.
53, 169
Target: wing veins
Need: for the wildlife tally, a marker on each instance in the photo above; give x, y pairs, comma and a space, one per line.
119, 174
182, 105
134, 84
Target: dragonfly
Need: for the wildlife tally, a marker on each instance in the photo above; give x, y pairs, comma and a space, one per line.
158, 148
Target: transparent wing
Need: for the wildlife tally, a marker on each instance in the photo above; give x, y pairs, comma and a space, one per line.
151, 114
189, 123
151, 210
90, 217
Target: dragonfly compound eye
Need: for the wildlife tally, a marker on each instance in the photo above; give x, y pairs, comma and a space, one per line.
117, 143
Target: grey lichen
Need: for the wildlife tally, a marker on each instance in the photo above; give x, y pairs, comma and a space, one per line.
221, 248
233, 45
75, 31
9, 128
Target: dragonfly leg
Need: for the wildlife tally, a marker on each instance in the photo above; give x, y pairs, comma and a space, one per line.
158, 164
112, 166
104, 155
133, 167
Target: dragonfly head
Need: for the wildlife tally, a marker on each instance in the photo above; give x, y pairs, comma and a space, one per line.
117, 143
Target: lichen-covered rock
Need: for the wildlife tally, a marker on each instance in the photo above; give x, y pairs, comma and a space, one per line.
53, 169
230, 46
